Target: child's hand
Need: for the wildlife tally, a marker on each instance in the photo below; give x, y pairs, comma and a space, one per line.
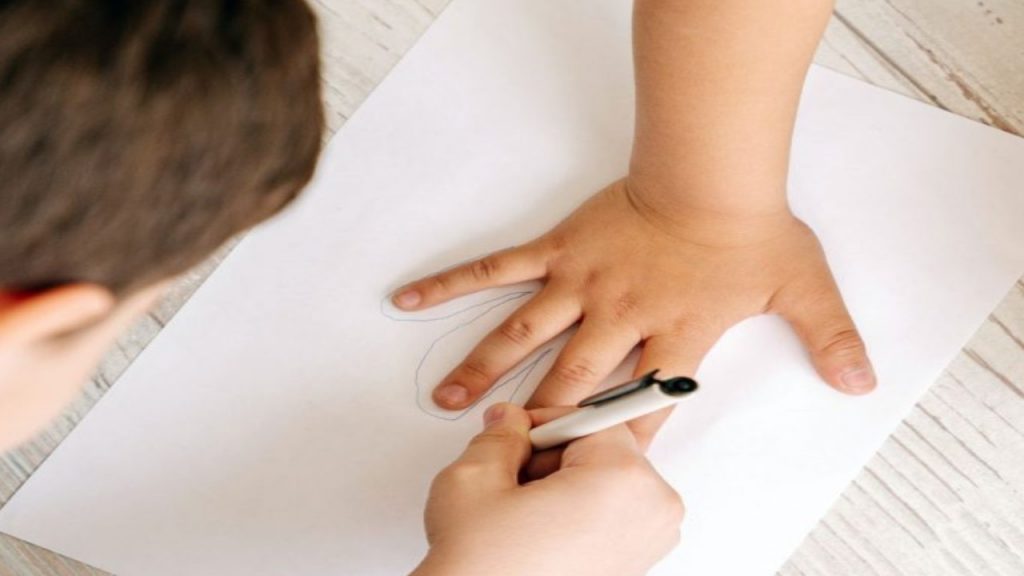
605, 511
630, 275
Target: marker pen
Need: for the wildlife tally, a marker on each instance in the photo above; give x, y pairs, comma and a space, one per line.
613, 406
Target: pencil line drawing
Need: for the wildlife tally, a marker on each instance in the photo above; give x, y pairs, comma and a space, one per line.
517, 379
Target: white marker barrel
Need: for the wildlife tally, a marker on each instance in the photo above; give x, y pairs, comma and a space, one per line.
594, 418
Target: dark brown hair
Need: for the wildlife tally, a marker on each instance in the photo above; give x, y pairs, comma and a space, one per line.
136, 136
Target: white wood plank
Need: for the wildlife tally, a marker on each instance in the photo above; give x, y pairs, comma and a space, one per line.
964, 55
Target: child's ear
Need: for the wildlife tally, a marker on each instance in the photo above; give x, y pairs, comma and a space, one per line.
26, 318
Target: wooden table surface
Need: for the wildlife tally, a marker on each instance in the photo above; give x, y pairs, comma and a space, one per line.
945, 494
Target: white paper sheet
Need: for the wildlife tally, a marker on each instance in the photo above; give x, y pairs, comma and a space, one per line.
273, 427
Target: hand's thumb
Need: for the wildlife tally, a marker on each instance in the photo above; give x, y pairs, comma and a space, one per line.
497, 454
821, 320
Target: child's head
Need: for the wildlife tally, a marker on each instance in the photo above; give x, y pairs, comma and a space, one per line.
136, 136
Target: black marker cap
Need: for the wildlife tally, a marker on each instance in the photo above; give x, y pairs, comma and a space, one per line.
678, 386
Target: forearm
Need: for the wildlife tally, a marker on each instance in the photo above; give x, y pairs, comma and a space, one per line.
718, 84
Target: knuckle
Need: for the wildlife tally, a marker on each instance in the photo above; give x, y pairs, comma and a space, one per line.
441, 283
643, 479
685, 325
473, 370
518, 330
557, 242
625, 305
632, 471
843, 342
577, 373
639, 473
485, 268
810, 293
680, 325
460, 472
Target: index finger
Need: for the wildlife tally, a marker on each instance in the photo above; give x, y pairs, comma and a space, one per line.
509, 266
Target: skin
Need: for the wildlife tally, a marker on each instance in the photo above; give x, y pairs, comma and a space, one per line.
50, 342
704, 204
481, 519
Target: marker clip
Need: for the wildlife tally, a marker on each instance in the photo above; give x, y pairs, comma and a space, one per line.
621, 390
678, 386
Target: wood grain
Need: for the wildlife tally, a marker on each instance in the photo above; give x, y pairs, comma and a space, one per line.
944, 494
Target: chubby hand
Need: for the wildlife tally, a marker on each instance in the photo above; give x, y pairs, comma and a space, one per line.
604, 511
633, 275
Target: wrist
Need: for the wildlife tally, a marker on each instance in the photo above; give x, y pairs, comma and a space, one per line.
742, 187
706, 219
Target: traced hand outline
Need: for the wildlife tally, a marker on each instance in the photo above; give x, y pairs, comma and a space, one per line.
468, 315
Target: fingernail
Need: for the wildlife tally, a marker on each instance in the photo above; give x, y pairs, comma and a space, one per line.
858, 379
451, 395
494, 414
408, 298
